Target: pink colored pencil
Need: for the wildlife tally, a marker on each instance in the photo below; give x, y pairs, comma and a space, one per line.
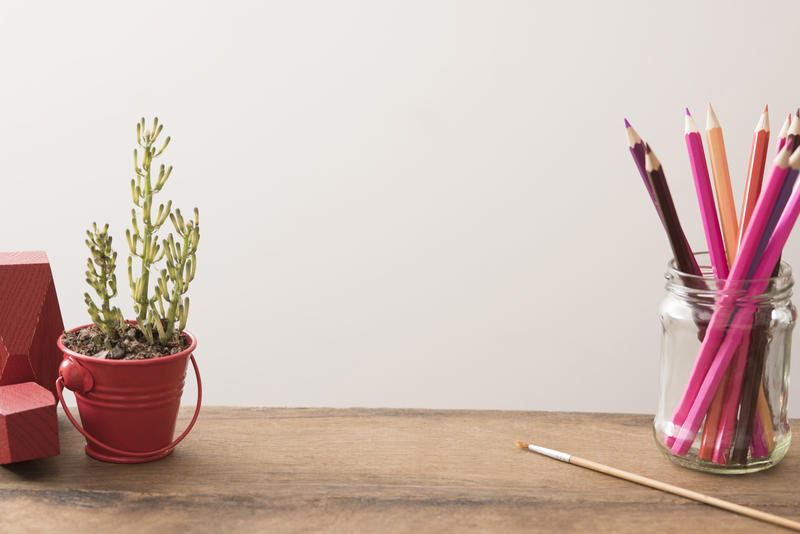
705, 196
719, 318
709, 368
758, 449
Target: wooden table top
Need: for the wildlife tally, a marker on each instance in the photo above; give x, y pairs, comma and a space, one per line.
384, 470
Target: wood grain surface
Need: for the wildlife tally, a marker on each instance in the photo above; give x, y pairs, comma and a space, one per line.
384, 470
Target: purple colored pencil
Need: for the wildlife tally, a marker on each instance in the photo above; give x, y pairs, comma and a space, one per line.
636, 146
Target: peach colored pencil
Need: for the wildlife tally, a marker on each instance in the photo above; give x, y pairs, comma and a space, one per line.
722, 184
730, 234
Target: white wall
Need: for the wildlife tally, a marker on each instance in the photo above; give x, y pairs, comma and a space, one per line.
425, 204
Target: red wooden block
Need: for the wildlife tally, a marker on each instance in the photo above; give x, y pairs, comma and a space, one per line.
28, 423
30, 320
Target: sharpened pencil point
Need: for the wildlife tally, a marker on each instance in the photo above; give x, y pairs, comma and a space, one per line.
687, 112
766, 108
627, 124
522, 444
711, 118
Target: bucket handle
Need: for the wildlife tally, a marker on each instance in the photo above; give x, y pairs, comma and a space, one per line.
76, 424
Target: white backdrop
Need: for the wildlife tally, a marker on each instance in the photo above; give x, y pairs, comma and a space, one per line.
422, 204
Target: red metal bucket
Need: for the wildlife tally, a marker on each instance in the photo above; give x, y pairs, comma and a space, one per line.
128, 407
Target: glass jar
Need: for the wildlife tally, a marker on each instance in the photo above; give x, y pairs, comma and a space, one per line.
745, 428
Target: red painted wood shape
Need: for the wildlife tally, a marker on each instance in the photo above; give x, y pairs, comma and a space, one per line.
28, 423
30, 320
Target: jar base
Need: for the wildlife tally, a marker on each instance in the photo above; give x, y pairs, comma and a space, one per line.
691, 461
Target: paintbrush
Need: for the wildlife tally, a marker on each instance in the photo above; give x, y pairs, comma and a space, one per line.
662, 486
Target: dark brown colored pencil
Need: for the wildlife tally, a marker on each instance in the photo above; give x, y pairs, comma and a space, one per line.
684, 258
752, 378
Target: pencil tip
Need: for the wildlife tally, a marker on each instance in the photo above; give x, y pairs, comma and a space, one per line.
522, 444
627, 124
687, 112
711, 118
766, 108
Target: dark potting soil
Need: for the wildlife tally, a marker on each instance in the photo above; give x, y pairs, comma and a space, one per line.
131, 344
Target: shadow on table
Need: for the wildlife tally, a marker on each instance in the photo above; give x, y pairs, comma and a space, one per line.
34, 470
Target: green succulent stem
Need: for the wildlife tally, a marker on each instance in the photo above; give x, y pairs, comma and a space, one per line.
143, 190
100, 275
160, 312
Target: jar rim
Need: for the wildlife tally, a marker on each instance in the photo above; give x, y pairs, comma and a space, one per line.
704, 262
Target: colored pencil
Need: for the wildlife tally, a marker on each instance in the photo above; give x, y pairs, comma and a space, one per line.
793, 135
784, 131
708, 440
755, 169
764, 414
731, 318
730, 406
661, 486
705, 197
727, 397
636, 147
684, 258
758, 448
722, 183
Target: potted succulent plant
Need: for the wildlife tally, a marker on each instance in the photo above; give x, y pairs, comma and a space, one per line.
128, 376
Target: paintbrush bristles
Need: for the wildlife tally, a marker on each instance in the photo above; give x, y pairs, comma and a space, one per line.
522, 444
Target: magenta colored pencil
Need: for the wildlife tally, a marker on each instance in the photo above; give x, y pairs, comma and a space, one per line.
742, 317
746, 254
705, 196
758, 447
